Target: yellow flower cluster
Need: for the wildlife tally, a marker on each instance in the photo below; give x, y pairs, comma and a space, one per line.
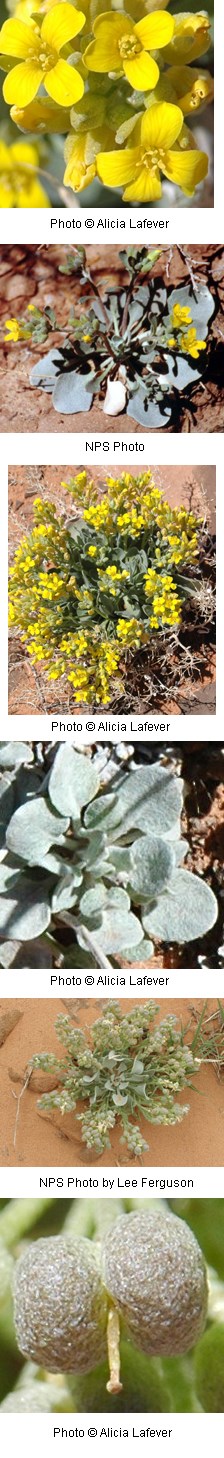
122, 101
165, 600
185, 341
64, 616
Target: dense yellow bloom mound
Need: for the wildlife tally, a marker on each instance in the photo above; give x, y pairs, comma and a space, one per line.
84, 604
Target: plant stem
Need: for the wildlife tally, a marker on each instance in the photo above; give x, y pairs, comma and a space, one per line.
113, 1346
88, 941
19, 1216
80, 1218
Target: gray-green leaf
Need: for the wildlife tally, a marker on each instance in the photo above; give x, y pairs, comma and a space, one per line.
73, 781
188, 909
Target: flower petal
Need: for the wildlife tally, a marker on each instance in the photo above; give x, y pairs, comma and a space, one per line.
64, 84
115, 168
22, 83
6, 198
16, 38
108, 25
186, 169
146, 188
155, 30
23, 152
32, 195
60, 25
161, 125
142, 72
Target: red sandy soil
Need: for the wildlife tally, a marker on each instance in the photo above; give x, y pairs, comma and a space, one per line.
46, 1140
191, 486
31, 275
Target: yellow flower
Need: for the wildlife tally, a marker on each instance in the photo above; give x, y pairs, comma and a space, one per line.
191, 345
193, 88
38, 50
40, 116
13, 331
181, 314
81, 164
121, 45
191, 37
19, 185
92, 552
140, 166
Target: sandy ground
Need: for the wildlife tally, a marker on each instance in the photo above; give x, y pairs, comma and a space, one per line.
46, 1140
31, 275
191, 486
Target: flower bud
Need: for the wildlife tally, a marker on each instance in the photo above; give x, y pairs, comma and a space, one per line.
60, 1305
155, 1272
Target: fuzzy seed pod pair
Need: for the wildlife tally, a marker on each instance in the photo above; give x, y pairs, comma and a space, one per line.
150, 1271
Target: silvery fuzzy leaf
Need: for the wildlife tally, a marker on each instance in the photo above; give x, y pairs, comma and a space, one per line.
9, 873
65, 894
159, 301
152, 864
135, 311
181, 849
147, 412
28, 915
33, 829
142, 954
119, 1099
72, 392
143, 294
201, 307
45, 372
179, 373
119, 859
8, 952
104, 813
188, 909
92, 901
73, 781
137, 1067
149, 800
99, 898
116, 929
13, 753
7, 802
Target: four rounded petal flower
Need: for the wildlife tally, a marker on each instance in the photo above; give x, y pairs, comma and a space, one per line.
121, 45
38, 50
141, 166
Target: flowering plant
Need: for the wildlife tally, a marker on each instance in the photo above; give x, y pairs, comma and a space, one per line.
121, 82
87, 594
129, 1066
138, 347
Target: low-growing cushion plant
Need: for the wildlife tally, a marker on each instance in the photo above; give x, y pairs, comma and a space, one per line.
138, 347
129, 1066
109, 1296
105, 862
116, 580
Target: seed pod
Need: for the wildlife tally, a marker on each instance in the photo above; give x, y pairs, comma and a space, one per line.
155, 1272
60, 1305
